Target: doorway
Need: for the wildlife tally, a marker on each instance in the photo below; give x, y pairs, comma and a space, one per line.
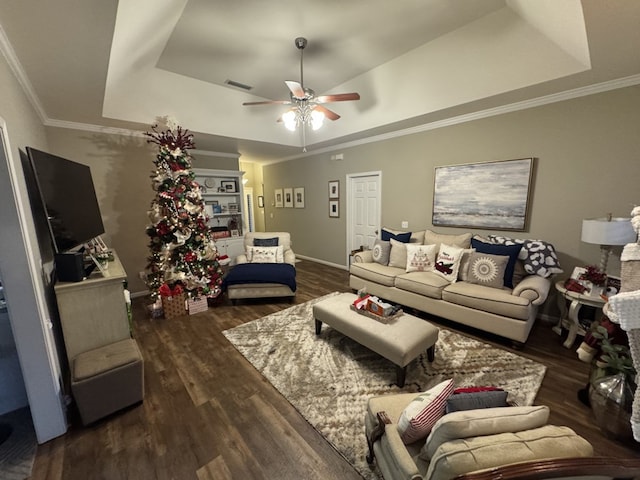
364, 200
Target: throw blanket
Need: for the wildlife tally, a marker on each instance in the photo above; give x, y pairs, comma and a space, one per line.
283, 273
538, 257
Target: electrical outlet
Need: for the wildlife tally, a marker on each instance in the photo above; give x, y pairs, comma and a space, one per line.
405, 224
142, 275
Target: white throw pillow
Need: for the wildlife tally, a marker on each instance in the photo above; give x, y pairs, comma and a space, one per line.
265, 254
418, 418
448, 262
420, 258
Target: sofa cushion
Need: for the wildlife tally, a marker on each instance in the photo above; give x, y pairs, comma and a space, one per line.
420, 258
429, 284
463, 240
487, 421
511, 251
448, 262
380, 252
423, 412
486, 269
467, 455
374, 272
488, 299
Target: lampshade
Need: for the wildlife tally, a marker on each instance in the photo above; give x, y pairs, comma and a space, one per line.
602, 231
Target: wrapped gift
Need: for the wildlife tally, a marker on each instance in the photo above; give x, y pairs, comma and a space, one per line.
173, 301
197, 305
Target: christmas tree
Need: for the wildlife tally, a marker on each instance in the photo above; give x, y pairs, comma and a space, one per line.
183, 252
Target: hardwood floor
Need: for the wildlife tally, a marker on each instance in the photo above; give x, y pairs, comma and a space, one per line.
208, 414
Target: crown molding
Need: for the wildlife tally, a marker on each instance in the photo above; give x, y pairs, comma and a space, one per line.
16, 67
490, 112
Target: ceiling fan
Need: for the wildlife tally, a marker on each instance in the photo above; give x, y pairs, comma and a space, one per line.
307, 108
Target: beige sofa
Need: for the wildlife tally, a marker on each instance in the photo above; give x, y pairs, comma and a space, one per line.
507, 312
466, 441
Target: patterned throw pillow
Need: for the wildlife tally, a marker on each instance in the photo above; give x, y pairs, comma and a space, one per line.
381, 251
448, 262
511, 250
419, 417
265, 254
486, 269
420, 258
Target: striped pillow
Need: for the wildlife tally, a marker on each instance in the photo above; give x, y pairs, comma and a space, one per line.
419, 417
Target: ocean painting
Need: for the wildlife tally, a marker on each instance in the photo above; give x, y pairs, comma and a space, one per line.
491, 195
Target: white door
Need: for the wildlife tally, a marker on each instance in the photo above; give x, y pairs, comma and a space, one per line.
363, 211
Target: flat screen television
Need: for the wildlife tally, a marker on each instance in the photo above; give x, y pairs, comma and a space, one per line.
69, 198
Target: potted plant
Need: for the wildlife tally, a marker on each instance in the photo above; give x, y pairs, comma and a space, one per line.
612, 386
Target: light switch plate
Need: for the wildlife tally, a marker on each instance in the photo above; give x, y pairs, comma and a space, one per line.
405, 224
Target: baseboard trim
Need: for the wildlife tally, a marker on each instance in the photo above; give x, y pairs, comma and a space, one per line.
323, 262
144, 293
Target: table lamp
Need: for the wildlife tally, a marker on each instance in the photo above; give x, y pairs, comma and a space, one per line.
607, 232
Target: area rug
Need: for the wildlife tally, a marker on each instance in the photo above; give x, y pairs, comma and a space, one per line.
18, 451
328, 378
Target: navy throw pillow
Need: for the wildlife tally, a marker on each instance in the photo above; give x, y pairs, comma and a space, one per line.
265, 242
511, 251
386, 236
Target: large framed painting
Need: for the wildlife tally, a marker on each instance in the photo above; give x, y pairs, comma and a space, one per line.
491, 195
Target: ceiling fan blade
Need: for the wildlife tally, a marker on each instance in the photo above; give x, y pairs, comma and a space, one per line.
327, 113
269, 102
338, 97
296, 88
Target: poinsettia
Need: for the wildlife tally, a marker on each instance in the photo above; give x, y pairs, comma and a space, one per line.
594, 275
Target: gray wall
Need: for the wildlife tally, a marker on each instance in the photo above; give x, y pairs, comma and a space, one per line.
24, 276
588, 164
121, 167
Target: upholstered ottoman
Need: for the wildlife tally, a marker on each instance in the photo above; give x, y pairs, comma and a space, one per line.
401, 340
107, 379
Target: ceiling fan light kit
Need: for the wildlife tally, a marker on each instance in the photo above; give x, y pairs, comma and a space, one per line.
306, 108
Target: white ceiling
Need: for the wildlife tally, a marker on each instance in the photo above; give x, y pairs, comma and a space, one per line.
103, 63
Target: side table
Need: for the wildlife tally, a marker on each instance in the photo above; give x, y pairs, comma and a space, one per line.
572, 315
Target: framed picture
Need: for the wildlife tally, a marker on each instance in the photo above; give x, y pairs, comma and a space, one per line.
235, 233
279, 198
260, 201
334, 189
288, 197
229, 186
334, 208
233, 208
491, 195
214, 202
298, 197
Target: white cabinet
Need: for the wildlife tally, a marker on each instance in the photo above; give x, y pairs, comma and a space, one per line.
223, 196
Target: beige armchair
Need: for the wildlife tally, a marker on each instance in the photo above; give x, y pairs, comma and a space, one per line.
243, 281
465, 441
